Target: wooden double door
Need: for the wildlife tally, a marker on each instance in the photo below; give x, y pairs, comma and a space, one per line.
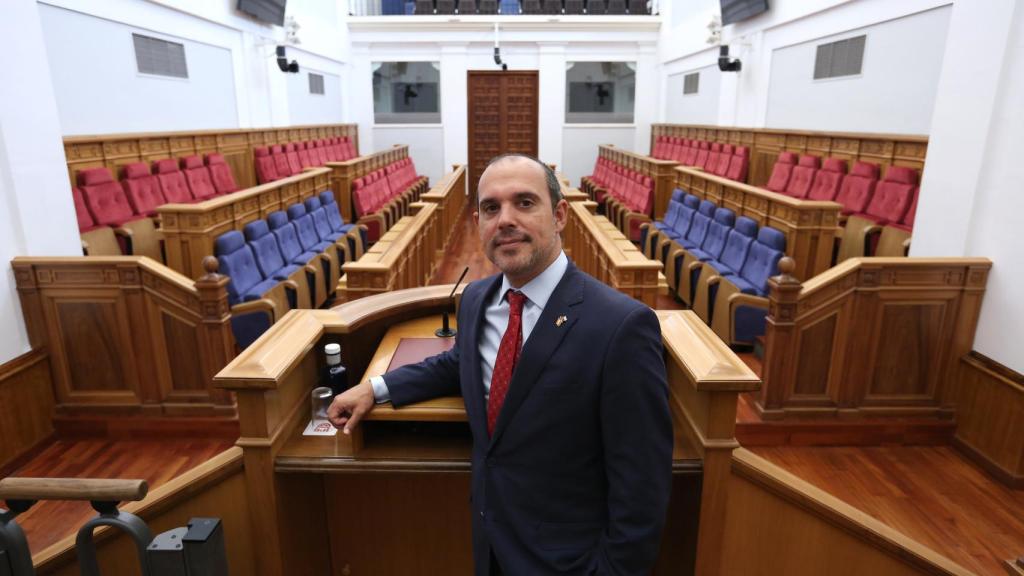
502, 117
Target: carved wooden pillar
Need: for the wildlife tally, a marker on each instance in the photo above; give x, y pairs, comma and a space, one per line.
217, 342
780, 355
342, 175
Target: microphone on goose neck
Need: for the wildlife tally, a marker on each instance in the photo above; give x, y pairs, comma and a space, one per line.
446, 331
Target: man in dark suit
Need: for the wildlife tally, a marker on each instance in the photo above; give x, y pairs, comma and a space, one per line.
565, 391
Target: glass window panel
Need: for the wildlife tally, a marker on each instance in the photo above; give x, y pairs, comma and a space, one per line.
600, 92
406, 93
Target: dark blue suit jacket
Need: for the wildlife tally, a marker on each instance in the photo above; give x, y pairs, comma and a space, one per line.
576, 478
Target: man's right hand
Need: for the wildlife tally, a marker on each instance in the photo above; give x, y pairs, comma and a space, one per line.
349, 407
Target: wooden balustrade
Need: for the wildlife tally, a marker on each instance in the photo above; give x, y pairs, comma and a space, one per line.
404, 257
765, 145
810, 226
343, 174
115, 150
870, 336
450, 196
659, 170
598, 248
190, 230
126, 335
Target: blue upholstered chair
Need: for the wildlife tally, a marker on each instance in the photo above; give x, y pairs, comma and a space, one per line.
356, 242
256, 302
688, 269
311, 242
272, 264
741, 304
288, 240
734, 254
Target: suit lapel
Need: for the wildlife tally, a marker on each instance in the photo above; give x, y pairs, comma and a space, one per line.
476, 408
545, 338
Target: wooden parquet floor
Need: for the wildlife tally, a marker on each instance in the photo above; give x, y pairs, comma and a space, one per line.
154, 460
930, 493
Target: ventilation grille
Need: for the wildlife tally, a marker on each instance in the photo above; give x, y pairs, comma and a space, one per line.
691, 83
160, 57
842, 58
316, 83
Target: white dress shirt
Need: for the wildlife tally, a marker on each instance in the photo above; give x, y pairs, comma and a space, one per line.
537, 291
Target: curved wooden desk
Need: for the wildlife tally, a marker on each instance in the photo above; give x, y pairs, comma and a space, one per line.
393, 499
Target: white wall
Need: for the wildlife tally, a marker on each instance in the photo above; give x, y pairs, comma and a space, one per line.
895, 90
744, 96
426, 146
306, 108
699, 108
580, 142
971, 197
526, 44
36, 211
99, 89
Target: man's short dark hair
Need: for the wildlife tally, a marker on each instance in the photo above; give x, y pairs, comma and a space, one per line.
554, 188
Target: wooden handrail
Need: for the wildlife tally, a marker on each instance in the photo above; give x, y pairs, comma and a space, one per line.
136, 337
766, 143
871, 336
810, 226
190, 230
236, 145
93, 489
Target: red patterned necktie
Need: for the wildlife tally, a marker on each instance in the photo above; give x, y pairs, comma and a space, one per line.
508, 355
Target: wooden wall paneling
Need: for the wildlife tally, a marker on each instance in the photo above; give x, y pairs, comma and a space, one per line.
214, 488
26, 393
777, 523
115, 150
871, 337
766, 144
990, 417
125, 334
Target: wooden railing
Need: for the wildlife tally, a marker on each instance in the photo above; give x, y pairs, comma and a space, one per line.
404, 257
870, 336
659, 170
190, 230
450, 196
343, 174
115, 150
598, 248
765, 145
127, 335
810, 226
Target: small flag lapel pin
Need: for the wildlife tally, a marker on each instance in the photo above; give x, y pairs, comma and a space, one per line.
561, 320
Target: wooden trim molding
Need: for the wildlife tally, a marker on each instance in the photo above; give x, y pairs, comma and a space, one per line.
190, 230
126, 335
236, 145
26, 395
601, 250
779, 523
990, 417
871, 336
766, 143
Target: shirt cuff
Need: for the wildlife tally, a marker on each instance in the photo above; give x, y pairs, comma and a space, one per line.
380, 390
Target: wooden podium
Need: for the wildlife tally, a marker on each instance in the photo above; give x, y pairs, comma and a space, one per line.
393, 498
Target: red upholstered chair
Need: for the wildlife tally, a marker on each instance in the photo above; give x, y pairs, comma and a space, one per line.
739, 164
895, 237
141, 188
659, 150
858, 187
690, 159
321, 152
712, 160
350, 148
781, 172
702, 154
802, 176
220, 173
172, 181
721, 168
284, 169
827, 180
266, 169
302, 150
890, 202
108, 205
96, 240
198, 178
293, 158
